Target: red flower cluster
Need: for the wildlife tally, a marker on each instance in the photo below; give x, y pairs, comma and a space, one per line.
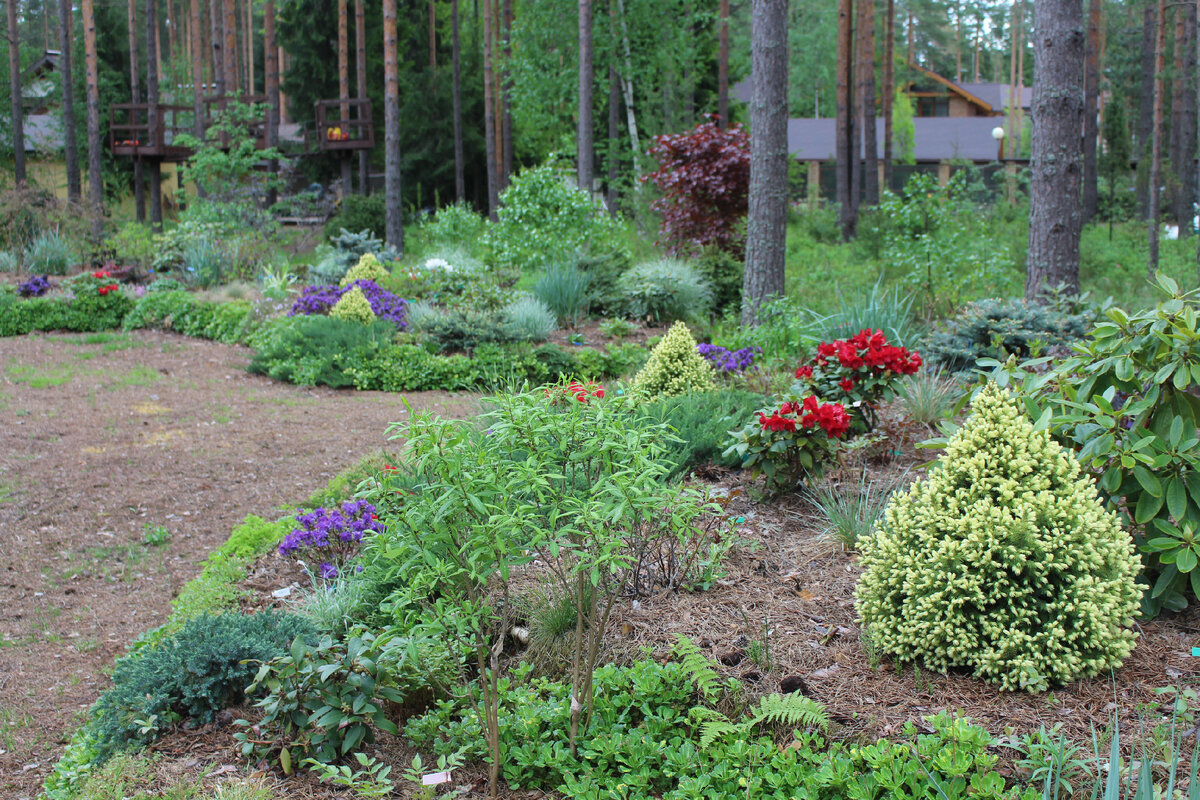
112, 287
870, 349
830, 417
804, 371
102, 273
581, 392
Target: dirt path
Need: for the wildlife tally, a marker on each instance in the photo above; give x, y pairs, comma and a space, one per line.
106, 439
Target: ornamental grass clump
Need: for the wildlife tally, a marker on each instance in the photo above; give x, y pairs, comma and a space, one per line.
1003, 562
674, 367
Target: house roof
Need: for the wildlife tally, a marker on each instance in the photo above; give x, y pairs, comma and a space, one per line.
935, 139
997, 94
956, 88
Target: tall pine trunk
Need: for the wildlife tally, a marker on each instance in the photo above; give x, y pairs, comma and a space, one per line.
139, 177
614, 130
217, 40
343, 61
394, 214
847, 153
1145, 122
489, 116
723, 67
92, 83
1091, 104
14, 85
583, 136
230, 50
1156, 117
1056, 166
506, 119
70, 145
1184, 119
154, 166
766, 224
271, 79
460, 182
866, 89
360, 75
195, 27
889, 90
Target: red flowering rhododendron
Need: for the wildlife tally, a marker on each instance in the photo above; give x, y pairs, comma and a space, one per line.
791, 442
578, 391
102, 273
112, 287
858, 372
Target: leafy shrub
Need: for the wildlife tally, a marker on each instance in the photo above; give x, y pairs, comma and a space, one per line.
997, 328
700, 422
191, 675
615, 361
455, 225
368, 268
675, 367
133, 244
793, 444
603, 272
345, 251
724, 272
313, 351
704, 177
165, 285
529, 318
84, 307
359, 213
49, 253
353, 307
665, 290
462, 330
544, 218
184, 312
1025, 579
323, 700
564, 290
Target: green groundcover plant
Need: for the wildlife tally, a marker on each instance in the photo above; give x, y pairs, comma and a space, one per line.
1003, 562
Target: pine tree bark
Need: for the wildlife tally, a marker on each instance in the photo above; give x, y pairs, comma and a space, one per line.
360, 73
626, 76
1174, 151
489, 116
723, 67
1145, 123
889, 90
195, 26
1156, 116
460, 183
14, 86
92, 83
583, 136
230, 50
614, 131
139, 176
432, 39
154, 166
343, 60
70, 144
394, 218
766, 224
217, 40
847, 155
271, 79
506, 120
1091, 120
1184, 119
1056, 166
866, 89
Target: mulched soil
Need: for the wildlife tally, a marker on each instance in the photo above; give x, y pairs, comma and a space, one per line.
88, 466
101, 439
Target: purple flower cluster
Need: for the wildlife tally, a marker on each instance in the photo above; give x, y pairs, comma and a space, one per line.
728, 361
317, 300
36, 286
332, 533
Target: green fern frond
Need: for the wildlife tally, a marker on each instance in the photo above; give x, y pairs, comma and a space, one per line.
698, 666
792, 710
714, 729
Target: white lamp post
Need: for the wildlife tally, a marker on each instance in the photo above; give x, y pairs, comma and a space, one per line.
998, 135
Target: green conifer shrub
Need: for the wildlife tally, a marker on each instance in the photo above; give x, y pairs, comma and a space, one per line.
368, 268
675, 367
1002, 562
353, 307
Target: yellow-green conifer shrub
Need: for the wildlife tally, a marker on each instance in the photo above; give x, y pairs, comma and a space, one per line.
368, 268
674, 367
353, 307
1003, 561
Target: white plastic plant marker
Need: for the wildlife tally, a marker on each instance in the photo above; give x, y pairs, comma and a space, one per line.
434, 778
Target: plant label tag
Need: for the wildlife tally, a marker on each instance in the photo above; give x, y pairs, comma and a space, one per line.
1196, 652
434, 778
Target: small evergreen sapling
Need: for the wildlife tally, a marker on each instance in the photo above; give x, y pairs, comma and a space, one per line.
675, 367
1003, 561
353, 307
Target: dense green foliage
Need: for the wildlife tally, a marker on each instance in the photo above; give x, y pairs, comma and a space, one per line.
999, 328
184, 312
359, 213
1024, 578
674, 367
190, 675
85, 310
700, 423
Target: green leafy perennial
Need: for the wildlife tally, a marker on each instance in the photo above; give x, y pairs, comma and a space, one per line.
1003, 561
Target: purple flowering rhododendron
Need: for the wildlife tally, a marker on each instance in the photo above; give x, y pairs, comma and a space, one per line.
36, 286
332, 534
318, 300
728, 361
